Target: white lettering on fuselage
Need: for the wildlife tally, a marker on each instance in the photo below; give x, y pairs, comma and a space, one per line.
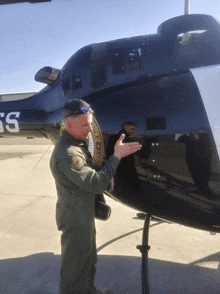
11, 121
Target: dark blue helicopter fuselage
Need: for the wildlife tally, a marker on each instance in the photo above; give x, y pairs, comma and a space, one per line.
156, 82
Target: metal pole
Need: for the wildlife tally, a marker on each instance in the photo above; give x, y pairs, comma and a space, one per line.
144, 248
187, 6
145, 273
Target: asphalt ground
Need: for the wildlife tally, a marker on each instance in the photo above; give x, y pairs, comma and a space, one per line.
181, 260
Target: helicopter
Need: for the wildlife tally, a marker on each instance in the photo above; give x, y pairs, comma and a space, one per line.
168, 84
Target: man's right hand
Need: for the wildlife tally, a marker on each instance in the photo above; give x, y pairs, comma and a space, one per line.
125, 149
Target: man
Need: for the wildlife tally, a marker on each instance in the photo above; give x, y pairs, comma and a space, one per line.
126, 175
77, 182
128, 128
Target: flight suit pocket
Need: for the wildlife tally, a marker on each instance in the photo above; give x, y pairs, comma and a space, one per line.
64, 216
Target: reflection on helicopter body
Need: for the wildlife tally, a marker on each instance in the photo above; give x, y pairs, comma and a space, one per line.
171, 166
126, 174
198, 159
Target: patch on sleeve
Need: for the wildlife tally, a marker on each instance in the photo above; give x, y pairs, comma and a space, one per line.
77, 163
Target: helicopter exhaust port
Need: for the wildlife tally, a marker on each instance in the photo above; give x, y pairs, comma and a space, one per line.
47, 75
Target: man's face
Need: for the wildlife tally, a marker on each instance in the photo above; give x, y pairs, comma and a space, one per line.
130, 129
80, 127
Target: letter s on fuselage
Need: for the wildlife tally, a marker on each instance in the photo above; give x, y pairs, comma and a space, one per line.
11, 123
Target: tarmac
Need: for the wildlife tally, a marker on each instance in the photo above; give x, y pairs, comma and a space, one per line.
181, 259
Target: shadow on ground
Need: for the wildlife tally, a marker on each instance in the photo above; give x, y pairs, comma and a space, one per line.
39, 274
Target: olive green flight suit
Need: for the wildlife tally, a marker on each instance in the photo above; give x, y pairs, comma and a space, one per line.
77, 182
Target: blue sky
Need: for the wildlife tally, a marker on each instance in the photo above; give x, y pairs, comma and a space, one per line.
47, 34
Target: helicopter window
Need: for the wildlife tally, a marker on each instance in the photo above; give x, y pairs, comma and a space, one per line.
98, 75
192, 36
118, 65
66, 87
76, 82
156, 123
134, 60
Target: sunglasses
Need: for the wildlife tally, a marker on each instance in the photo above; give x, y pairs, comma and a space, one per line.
83, 109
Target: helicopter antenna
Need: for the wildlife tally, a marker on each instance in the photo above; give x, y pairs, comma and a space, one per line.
187, 6
186, 36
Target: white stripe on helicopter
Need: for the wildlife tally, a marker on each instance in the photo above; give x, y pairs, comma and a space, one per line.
208, 82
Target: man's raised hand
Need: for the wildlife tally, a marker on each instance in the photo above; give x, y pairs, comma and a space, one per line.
125, 149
